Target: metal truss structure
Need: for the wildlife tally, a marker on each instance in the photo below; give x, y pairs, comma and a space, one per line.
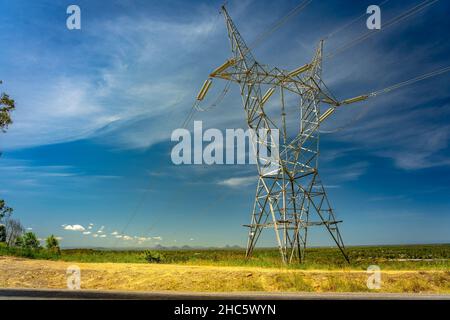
290, 198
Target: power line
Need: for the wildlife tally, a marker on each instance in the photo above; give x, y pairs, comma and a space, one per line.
218, 100
345, 26
183, 125
390, 88
259, 38
408, 13
262, 36
411, 81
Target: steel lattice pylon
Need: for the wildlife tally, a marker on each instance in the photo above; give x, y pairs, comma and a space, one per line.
291, 197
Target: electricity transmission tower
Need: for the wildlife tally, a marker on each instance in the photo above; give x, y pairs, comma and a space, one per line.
291, 198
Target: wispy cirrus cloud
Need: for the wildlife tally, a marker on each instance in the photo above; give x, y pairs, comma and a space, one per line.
345, 173
54, 107
238, 181
414, 138
121, 105
28, 176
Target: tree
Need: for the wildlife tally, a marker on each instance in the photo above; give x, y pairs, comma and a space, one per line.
30, 241
7, 105
2, 233
14, 230
53, 244
5, 211
14, 227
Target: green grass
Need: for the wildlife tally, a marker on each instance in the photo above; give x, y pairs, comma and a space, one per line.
28, 253
316, 258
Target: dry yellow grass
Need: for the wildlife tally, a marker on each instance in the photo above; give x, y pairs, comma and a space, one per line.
25, 273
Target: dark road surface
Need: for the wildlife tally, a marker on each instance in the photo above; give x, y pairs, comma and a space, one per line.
37, 294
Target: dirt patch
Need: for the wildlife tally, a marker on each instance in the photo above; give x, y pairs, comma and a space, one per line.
26, 273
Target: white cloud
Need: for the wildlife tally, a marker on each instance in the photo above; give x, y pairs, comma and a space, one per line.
115, 233
59, 103
350, 172
157, 238
238, 182
417, 145
95, 235
127, 238
120, 104
86, 232
75, 227
103, 236
45, 179
55, 108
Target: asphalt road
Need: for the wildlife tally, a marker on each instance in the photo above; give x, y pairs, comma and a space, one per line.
37, 294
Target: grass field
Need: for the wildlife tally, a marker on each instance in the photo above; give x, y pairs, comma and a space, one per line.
396, 257
413, 269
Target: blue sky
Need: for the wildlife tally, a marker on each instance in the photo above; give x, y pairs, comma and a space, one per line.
90, 144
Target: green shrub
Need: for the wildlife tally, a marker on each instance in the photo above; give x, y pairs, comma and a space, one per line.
52, 245
18, 242
30, 241
153, 256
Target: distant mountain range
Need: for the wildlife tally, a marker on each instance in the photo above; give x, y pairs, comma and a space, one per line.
160, 247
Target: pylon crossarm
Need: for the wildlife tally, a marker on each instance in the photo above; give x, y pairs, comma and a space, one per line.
297, 86
275, 77
320, 223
